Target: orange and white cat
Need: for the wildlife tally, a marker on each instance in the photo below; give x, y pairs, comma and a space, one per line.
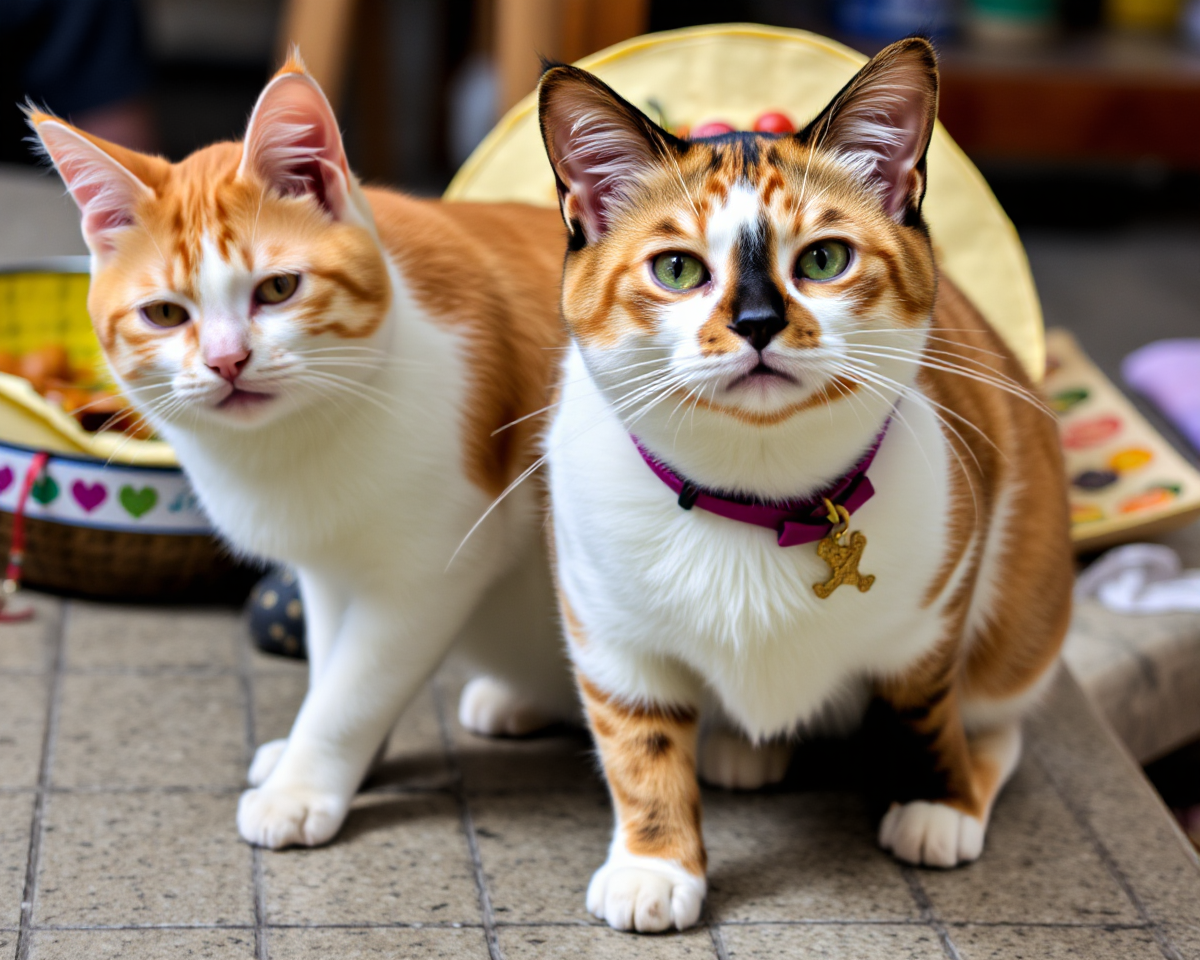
754, 317
331, 364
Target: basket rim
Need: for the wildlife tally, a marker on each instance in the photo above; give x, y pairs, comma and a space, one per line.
89, 459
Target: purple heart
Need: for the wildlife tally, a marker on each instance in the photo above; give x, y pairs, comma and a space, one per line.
6, 478
88, 495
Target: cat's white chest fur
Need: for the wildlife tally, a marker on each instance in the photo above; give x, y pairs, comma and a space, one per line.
658, 588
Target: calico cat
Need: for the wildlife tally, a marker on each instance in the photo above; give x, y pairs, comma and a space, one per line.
331, 364
795, 476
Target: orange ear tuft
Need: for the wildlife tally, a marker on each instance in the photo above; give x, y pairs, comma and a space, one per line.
293, 64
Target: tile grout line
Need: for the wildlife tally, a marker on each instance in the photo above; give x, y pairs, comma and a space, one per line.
34, 856
246, 678
928, 914
718, 940
1165, 946
468, 824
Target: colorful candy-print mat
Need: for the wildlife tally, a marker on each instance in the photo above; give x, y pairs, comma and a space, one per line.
115, 497
1125, 481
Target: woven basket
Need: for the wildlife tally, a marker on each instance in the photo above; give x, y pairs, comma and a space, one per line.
113, 518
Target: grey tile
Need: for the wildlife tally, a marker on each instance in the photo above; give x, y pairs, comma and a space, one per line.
539, 852
27, 646
428, 943
8, 944
167, 731
805, 856
562, 759
862, 942
1037, 866
415, 757
1120, 808
398, 859
143, 858
139, 637
142, 945
1184, 937
16, 811
263, 663
602, 943
22, 723
1054, 943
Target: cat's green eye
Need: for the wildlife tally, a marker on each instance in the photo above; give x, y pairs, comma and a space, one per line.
276, 289
823, 261
165, 314
679, 271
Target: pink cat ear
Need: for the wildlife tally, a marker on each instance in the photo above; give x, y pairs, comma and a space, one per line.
293, 144
881, 122
106, 192
599, 144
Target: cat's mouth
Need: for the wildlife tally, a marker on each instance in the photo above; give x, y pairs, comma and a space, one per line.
240, 399
761, 373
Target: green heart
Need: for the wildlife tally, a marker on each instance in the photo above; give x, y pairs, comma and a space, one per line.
44, 489
138, 502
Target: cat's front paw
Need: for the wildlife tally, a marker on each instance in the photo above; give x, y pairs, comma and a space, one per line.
931, 834
733, 762
492, 708
645, 894
278, 817
265, 758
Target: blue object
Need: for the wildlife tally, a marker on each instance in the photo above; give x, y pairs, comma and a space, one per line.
892, 19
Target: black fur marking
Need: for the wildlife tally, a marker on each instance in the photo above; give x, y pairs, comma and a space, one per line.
906, 760
756, 296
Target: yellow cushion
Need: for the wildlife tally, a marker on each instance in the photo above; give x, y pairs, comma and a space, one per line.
734, 73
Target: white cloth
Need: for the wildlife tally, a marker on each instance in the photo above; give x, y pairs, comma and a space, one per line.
1141, 578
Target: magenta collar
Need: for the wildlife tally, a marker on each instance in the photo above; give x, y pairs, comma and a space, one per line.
803, 520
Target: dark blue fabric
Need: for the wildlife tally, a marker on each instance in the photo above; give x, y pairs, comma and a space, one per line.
68, 55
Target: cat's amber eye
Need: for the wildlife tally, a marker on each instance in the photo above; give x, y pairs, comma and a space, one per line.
823, 261
679, 271
276, 289
165, 314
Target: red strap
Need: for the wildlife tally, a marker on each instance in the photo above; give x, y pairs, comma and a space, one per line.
16, 553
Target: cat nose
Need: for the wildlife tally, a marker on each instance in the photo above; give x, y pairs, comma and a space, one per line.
228, 363
758, 329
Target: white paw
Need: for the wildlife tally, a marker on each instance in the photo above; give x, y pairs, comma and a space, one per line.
265, 758
646, 895
493, 709
280, 817
931, 834
733, 762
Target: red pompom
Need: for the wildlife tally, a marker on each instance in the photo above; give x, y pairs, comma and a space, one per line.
773, 122
712, 128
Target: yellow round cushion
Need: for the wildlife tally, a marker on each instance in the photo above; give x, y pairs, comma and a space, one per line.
734, 73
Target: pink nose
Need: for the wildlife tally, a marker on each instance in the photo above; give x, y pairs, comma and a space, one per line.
228, 363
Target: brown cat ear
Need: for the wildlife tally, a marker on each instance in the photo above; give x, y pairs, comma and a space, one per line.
881, 122
292, 142
106, 181
599, 144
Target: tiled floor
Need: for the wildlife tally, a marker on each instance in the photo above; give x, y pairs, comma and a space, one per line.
124, 736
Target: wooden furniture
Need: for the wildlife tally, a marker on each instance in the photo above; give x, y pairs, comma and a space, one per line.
1108, 97
566, 30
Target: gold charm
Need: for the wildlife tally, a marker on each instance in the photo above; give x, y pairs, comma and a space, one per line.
843, 557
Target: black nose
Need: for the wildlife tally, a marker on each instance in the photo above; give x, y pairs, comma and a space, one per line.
759, 329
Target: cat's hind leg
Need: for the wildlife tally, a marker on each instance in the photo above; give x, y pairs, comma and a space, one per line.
945, 833
728, 759
514, 640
